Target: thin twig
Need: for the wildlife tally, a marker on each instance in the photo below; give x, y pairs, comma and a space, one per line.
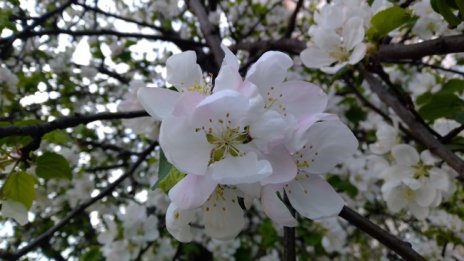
66, 122
106, 192
400, 247
210, 33
416, 128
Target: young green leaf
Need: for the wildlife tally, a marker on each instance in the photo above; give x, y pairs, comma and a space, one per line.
386, 21
163, 169
53, 166
19, 187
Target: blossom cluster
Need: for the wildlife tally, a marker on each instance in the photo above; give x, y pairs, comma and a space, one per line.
244, 139
337, 38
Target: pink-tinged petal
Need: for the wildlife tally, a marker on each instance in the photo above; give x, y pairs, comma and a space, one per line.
158, 102
274, 208
192, 191
222, 215
187, 103
313, 197
358, 53
188, 150
353, 32
228, 106
240, 170
314, 57
177, 223
283, 166
268, 130
270, 70
328, 143
301, 98
227, 79
298, 137
183, 72
405, 155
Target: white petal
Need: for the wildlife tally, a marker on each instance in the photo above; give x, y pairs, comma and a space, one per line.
405, 155
395, 199
182, 70
240, 170
328, 40
226, 105
228, 79
222, 215
192, 191
275, 208
300, 98
313, 197
177, 223
298, 136
425, 196
268, 130
15, 210
334, 68
314, 57
188, 150
229, 58
158, 102
328, 143
283, 166
270, 70
358, 53
353, 32
439, 179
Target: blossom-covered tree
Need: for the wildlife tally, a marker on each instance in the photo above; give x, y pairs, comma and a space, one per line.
231, 130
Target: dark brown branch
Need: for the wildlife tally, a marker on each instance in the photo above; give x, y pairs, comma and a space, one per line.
66, 122
210, 33
442, 45
453, 133
416, 128
292, 20
400, 247
106, 192
102, 32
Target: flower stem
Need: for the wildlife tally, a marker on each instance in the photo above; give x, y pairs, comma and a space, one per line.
289, 244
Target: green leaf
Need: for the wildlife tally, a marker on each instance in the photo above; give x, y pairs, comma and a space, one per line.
19, 187
163, 169
93, 254
268, 233
51, 165
386, 21
453, 86
343, 185
173, 177
442, 105
444, 9
57, 136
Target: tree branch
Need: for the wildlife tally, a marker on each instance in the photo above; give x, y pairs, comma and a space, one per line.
66, 122
416, 128
173, 39
106, 192
292, 19
400, 247
209, 32
442, 45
